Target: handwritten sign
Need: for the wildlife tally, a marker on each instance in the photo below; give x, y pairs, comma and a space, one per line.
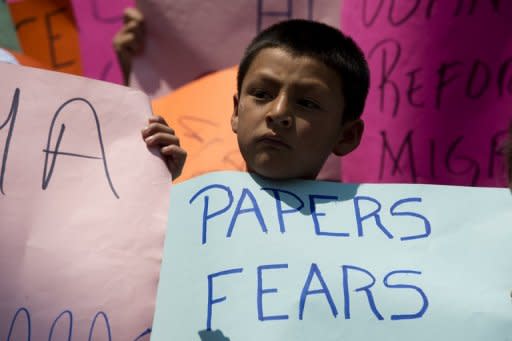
204, 125
249, 259
25, 60
81, 205
441, 93
8, 38
7, 57
47, 32
187, 39
98, 21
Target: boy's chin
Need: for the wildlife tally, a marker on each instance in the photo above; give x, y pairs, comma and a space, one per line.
278, 173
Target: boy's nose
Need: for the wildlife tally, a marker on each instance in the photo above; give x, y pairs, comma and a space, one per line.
280, 115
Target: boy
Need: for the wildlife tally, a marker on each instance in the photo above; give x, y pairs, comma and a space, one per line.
301, 89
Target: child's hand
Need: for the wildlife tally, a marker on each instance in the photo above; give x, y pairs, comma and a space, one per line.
159, 134
129, 40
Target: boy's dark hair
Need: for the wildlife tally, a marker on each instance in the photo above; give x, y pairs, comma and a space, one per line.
321, 42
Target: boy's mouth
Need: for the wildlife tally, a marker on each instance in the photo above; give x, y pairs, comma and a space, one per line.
274, 141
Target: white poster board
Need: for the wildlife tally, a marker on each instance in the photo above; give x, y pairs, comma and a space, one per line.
82, 209
330, 261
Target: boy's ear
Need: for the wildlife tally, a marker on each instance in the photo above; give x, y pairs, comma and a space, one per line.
234, 116
349, 137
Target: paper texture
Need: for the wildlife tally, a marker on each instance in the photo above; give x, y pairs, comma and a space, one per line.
200, 114
440, 99
98, 21
25, 60
82, 209
7, 57
47, 32
187, 39
334, 262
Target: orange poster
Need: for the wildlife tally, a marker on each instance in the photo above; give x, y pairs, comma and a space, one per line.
200, 114
47, 32
26, 60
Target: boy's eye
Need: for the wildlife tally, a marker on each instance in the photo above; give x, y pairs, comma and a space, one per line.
309, 104
261, 94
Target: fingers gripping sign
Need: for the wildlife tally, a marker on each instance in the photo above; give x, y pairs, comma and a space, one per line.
129, 41
158, 134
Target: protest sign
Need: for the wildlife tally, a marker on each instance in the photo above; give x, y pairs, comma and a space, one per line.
98, 21
248, 259
441, 91
7, 57
8, 38
200, 114
25, 60
186, 39
47, 32
83, 205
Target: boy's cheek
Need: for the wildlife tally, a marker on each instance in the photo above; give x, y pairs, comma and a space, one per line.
242, 106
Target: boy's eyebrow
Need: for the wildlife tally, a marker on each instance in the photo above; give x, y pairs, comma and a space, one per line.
269, 77
265, 76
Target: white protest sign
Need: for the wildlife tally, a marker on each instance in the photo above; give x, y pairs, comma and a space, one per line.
248, 259
186, 39
82, 209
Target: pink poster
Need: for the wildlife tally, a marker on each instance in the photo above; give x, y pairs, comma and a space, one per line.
186, 39
98, 21
83, 208
441, 90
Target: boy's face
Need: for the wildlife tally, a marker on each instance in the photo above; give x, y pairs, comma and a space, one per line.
288, 116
